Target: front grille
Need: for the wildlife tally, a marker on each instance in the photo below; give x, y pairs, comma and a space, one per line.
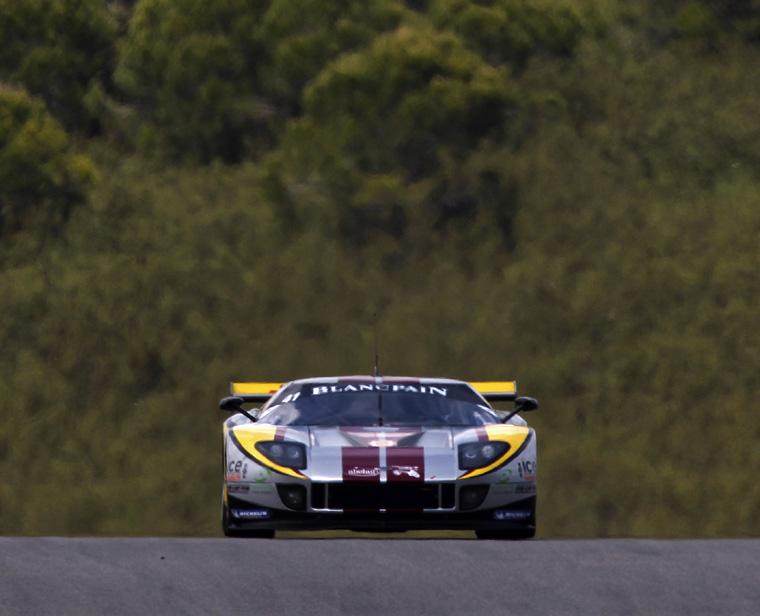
358, 496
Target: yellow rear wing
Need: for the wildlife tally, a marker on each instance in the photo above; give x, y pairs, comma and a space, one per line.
494, 391
255, 392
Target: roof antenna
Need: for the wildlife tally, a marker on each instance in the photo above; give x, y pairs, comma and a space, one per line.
374, 323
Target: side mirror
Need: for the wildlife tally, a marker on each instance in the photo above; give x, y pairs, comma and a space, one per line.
524, 404
231, 403
235, 404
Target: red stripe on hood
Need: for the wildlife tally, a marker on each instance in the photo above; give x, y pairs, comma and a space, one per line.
279, 434
361, 464
405, 463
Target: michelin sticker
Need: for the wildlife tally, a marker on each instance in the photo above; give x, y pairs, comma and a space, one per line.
509, 515
251, 514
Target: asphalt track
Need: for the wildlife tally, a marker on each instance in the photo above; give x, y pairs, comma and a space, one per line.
158, 576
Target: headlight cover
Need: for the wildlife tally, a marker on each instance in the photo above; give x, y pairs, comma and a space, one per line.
482, 453
284, 453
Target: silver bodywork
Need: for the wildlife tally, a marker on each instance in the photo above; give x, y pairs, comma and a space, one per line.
378, 477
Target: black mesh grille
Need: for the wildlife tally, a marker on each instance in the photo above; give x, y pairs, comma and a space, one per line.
358, 496
447, 496
318, 496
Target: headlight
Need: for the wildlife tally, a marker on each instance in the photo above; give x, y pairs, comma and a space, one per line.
482, 453
284, 453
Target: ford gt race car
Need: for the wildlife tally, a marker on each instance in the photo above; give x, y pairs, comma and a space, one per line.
378, 454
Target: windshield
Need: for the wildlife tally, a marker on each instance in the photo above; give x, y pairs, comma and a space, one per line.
370, 404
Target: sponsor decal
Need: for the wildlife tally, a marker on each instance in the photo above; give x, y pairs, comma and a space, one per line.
527, 469
262, 475
237, 488
361, 463
261, 487
526, 489
234, 477
238, 467
379, 387
518, 516
505, 488
405, 464
251, 514
505, 477
400, 463
409, 471
363, 472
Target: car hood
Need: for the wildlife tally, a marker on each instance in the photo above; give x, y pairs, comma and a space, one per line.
383, 453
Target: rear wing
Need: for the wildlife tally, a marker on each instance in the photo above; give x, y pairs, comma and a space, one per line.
494, 391
254, 392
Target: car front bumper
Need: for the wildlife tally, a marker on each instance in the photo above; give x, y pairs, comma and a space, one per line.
516, 515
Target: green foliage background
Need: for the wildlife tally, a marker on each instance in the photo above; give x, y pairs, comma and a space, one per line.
564, 193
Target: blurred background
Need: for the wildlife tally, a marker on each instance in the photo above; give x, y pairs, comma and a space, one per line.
565, 193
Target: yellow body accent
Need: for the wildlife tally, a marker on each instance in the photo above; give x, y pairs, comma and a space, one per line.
254, 388
514, 435
494, 387
249, 435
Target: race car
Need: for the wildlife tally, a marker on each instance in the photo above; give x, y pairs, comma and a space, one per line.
378, 453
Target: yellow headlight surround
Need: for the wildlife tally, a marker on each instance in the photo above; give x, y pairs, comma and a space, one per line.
514, 436
247, 436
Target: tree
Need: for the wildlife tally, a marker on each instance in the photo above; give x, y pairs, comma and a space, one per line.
302, 36
511, 31
62, 51
41, 180
218, 79
389, 133
192, 67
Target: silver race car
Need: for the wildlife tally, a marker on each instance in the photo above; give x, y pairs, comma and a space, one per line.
378, 454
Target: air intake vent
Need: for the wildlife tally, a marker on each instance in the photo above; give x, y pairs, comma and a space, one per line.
371, 496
